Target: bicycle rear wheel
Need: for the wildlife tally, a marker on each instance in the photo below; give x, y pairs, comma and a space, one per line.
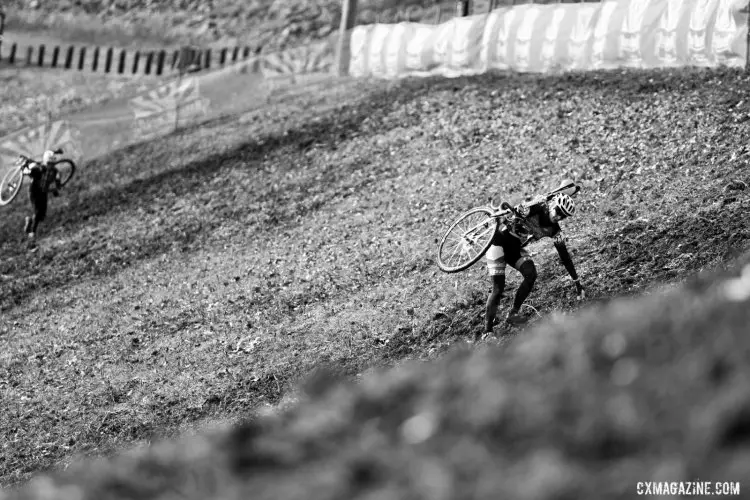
66, 168
10, 185
467, 240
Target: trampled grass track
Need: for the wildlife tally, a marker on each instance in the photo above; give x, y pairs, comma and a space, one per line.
310, 226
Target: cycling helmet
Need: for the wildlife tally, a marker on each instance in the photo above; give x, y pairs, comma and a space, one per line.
564, 204
49, 156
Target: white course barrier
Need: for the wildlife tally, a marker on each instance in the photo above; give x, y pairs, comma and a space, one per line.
558, 37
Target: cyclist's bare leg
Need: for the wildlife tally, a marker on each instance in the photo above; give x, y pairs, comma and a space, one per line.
528, 271
495, 258
493, 301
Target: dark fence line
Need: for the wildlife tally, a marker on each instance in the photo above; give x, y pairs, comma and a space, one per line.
123, 61
161, 62
441, 11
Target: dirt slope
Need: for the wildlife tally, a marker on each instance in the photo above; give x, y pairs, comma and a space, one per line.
200, 276
652, 389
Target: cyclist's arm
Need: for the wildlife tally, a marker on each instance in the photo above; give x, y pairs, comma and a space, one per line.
31, 167
562, 250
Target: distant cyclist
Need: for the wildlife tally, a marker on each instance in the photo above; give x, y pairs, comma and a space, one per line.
45, 179
535, 220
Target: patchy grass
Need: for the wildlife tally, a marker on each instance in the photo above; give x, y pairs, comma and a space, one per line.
199, 277
30, 95
168, 23
268, 24
652, 389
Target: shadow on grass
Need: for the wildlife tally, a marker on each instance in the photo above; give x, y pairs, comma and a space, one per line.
80, 260
22, 275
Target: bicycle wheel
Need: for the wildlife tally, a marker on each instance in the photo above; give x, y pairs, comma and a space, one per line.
66, 168
467, 240
11, 185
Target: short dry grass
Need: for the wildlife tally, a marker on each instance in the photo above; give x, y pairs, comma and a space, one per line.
652, 389
198, 277
268, 24
30, 96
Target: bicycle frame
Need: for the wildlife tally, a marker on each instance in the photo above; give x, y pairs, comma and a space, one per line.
496, 215
471, 234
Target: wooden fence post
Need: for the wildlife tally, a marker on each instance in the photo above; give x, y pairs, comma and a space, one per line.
108, 60
13, 53
55, 56
69, 57
149, 62
161, 58
136, 58
343, 48
463, 8
121, 65
188, 60
95, 63
81, 58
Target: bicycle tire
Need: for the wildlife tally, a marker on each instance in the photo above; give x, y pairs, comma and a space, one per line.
66, 173
488, 226
11, 185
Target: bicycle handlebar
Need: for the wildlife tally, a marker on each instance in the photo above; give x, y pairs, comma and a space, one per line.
563, 188
510, 209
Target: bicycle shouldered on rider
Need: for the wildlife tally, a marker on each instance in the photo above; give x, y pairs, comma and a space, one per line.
45, 178
532, 221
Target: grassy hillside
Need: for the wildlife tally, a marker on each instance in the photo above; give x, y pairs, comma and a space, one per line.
652, 389
262, 23
270, 24
197, 278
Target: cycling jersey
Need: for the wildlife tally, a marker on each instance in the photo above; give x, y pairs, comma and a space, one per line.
509, 240
535, 224
42, 177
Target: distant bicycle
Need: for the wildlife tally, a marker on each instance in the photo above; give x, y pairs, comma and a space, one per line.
13, 180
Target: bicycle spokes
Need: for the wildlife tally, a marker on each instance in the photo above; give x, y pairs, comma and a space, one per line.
467, 240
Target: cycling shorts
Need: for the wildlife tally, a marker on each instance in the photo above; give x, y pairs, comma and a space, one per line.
506, 249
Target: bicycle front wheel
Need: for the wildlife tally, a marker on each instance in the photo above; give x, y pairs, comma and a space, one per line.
10, 185
467, 240
66, 168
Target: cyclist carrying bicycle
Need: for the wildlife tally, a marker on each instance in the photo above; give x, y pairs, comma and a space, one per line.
45, 178
534, 220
